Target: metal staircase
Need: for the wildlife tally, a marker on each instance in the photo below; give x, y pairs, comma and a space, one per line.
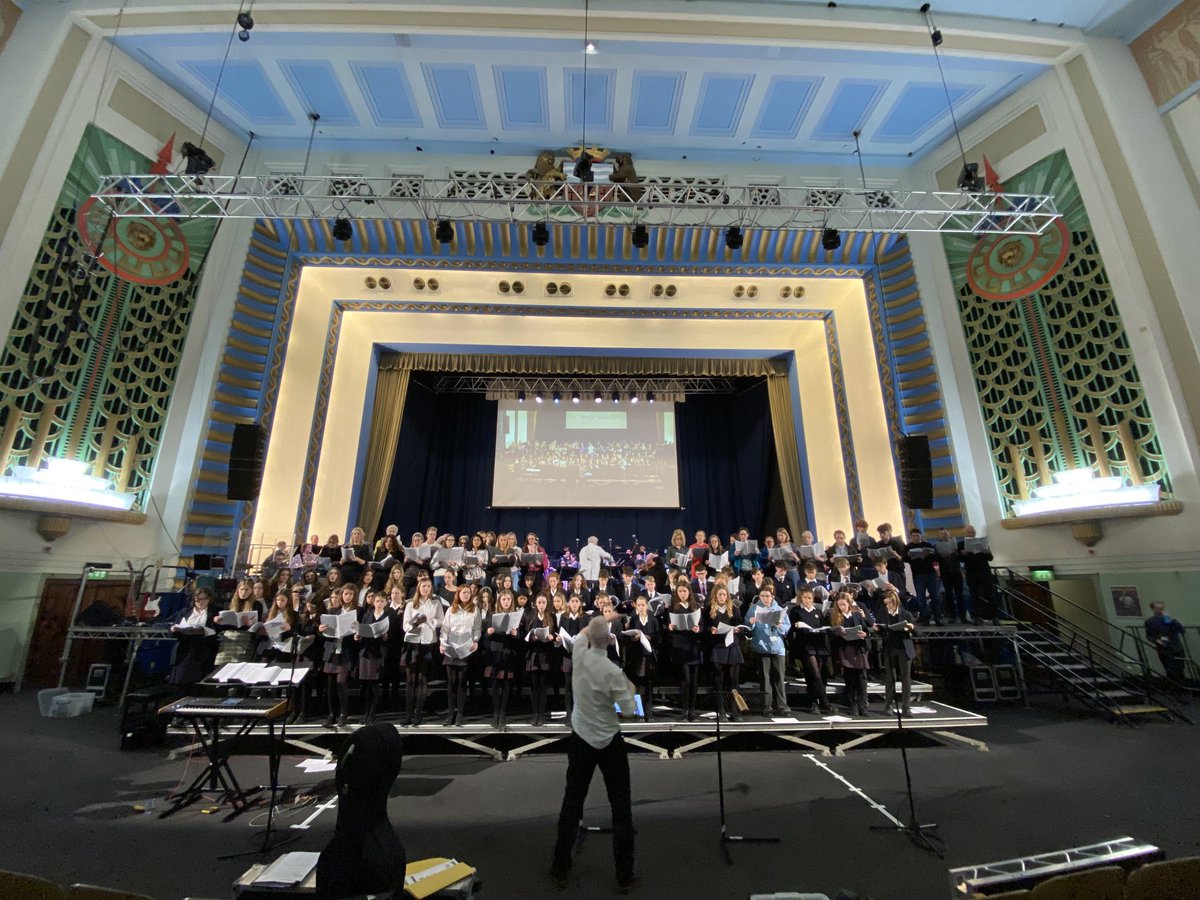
1080, 664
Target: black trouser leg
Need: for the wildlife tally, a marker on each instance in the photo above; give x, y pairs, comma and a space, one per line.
462, 698
422, 690
719, 688
581, 765
891, 674
495, 702
570, 696
614, 766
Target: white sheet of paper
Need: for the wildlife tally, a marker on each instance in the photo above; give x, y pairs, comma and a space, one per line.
685, 621
317, 765
718, 561
340, 626
289, 870
924, 710
783, 719
837, 718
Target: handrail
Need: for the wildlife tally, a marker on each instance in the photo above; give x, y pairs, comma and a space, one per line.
1190, 663
1017, 576
1143, 680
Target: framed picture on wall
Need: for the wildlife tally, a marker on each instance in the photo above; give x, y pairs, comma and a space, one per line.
1126, 603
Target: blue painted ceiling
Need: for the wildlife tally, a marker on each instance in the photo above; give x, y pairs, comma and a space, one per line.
477, 94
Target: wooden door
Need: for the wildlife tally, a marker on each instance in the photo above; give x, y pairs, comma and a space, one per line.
50, 632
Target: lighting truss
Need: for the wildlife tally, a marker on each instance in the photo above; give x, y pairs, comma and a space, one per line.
517, 200
501, 387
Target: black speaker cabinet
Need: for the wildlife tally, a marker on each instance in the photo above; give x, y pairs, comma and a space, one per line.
245, 462
916, 472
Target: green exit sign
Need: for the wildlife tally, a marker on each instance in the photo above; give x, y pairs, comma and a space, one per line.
1042, 573
97, 575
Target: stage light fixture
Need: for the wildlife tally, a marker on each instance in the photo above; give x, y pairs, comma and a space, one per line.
342, 229
590, 48
640, 237
245, 22
444, 232
633, 398
616, 397
538, 397
557, 397
540, 234
196, 161
583, 166
598, 398
733, 237
830, 239
649, 396
520, 396
969, 180
575, 396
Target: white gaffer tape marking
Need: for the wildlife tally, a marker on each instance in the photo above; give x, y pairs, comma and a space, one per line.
856, 790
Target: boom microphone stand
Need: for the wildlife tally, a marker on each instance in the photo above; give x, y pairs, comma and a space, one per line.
726, 837
920, 835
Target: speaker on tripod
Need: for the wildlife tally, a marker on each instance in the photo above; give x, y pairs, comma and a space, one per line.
916, 471
245, 462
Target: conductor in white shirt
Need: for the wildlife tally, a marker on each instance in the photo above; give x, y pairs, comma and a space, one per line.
598, 686
590, 559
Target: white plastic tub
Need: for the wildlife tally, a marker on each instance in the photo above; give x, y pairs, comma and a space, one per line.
46, 697
67, 706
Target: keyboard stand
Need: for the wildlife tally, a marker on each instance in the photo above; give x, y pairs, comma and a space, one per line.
217, 773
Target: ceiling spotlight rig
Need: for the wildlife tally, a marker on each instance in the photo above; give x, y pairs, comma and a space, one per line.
639, 236
831, 239
734, 237
444, 232
540, 234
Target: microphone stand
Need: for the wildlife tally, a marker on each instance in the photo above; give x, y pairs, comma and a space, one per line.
726, 837
920, 835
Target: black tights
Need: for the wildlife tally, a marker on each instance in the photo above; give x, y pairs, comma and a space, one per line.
814, 680
688, 683
501, 687
338, 689
370, 696
645, 689
415, 688
719, 676
537, 693
856, 688
456, 693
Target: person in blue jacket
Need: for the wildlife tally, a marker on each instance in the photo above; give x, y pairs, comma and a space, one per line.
769, 623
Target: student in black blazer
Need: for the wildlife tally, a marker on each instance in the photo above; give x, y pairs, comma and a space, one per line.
197, 652
897, 626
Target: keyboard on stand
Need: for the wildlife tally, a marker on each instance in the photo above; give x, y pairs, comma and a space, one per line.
260, 708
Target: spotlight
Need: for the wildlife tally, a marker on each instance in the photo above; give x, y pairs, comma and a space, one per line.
538, 398
520, 396
540, 234
583, 167
245, 21
969, 180
197, 162
590, 48
649, 396
342, 229
830, 239
633, 398
598, 398
444, 232
733, 237
936, 37
616, 397
557, 397
575, 396
639, 237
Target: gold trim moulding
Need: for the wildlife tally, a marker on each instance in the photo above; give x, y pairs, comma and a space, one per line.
1099, 513
79, 510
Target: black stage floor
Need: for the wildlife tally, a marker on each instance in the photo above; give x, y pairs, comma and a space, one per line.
75, 808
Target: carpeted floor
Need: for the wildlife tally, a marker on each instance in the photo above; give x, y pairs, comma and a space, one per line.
1051, 780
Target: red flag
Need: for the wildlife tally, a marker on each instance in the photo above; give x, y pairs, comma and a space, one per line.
162, 165
991, 178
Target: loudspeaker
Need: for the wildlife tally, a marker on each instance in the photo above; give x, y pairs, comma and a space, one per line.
916, 472
245, 462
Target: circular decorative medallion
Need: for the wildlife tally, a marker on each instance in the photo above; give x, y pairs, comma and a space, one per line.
1009, 266
146, 251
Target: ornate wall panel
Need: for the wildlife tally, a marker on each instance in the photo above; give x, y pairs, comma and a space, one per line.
1057, 381
89, 366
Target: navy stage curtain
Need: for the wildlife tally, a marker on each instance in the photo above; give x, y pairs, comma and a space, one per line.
446, 452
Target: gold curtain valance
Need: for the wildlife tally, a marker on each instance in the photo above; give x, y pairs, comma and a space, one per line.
580, 366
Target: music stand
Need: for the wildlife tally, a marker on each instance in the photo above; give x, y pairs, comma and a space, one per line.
919, 834
726, 837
